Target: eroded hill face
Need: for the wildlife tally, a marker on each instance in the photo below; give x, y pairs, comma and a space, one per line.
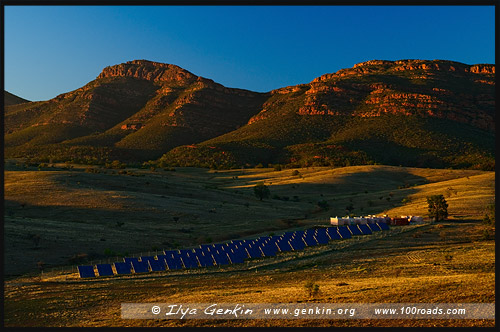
141, 109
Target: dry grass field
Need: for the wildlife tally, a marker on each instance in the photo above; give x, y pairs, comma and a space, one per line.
102, 215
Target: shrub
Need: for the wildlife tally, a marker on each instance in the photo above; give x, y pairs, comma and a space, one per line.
323, 204
311, 288
486, 235
406, 200
115, 164
261, 191
295, 172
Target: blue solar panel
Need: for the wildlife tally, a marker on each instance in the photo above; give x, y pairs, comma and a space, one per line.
374, 227
309, 232
310, 240
298, 233
205, 247
173, 263
364, 229
269, 250
320, 231
193, 260
156, 266
104, 270
297, 244
183, 252
354, 229
244, 246
333, 233
147, 258
86, 271
273, 239
235, 258
140, 267
220, 259
123, 268
383, 226
189, 261
287, 235
344, 232
322, 238
130, 259
161, 258
204, 259
254, 252
241, 252
218, 246
284, 246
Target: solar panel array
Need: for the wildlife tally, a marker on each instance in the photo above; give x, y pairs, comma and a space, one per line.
233, 252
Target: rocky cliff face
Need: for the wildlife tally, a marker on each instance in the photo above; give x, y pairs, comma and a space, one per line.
151, 71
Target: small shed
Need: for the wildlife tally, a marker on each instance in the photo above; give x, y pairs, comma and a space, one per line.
417, 219
336, 221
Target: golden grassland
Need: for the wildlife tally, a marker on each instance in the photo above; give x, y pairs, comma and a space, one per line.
73, 211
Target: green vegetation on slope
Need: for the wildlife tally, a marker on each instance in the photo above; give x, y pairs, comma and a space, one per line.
344, 141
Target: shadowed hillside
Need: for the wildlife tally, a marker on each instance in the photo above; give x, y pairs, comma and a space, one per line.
11, 99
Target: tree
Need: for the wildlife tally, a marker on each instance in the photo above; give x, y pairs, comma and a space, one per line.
438, 208
261, 191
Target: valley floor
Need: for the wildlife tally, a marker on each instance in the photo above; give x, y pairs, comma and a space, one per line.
430, 263
83, 215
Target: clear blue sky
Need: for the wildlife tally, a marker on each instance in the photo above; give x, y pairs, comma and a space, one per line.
54, 49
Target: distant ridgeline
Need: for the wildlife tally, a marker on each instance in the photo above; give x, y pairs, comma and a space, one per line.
417, 113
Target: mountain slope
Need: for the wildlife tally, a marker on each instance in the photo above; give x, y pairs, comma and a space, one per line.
11, 99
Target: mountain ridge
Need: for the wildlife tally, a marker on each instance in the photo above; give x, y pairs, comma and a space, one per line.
140, 110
